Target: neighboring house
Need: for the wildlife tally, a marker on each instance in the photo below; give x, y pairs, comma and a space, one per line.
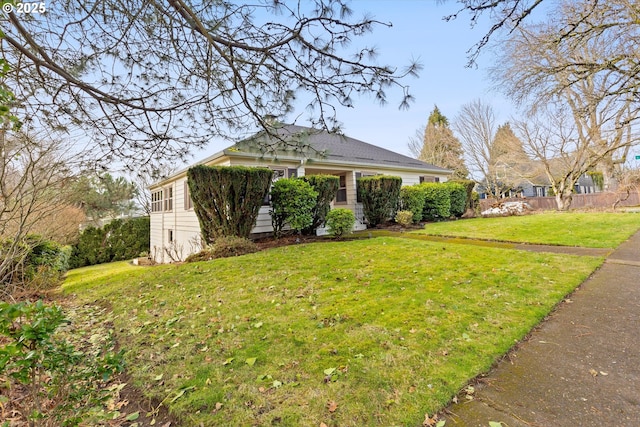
541, 187
175, 231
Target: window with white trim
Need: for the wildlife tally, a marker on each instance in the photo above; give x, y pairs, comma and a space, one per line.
429, 179
341, 196
156, 201
168, 199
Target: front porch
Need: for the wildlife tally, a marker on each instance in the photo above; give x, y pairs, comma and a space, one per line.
346, 197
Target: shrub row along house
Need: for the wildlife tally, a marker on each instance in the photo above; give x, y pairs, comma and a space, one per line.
299, 151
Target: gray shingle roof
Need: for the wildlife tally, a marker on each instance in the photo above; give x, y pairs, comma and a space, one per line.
322, 145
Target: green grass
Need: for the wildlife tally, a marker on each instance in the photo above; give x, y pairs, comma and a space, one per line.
592, 230
388, 329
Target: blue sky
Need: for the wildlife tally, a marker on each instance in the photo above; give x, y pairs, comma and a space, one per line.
418, 32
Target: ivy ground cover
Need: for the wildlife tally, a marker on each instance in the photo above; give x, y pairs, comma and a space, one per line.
370, 332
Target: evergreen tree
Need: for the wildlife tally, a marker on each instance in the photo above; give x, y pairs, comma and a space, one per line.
440, 147
104, 196
511, 163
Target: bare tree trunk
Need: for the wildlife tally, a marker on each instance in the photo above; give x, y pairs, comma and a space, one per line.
563, 200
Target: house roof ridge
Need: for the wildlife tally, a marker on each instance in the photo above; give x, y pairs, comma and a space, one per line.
333, 145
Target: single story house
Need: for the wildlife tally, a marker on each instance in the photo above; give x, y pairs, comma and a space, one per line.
299, 151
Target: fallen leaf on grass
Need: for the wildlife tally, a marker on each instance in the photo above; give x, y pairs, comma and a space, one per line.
323, 425
332, 406
251, 361
432, 421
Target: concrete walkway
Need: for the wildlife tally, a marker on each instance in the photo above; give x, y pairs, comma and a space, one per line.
581, 367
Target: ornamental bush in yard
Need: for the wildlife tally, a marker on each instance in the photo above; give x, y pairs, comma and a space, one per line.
327, 188
412, 199
458, 198
468, 185
292, 203
340, 221
380, 195
118, 240
227, 199
437, 205
404, 218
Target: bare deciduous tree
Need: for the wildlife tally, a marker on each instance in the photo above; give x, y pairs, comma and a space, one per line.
504, 14
149, 79
613, 23
563, 147
476, 127
34, 176
533, 72
629, 182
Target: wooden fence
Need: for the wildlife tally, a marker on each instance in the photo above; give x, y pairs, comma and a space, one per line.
603, 200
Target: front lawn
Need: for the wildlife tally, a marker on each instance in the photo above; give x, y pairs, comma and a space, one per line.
592, 230
369, 332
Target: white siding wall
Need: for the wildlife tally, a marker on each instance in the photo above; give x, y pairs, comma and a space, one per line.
182, 222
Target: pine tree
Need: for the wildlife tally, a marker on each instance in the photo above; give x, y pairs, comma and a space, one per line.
440, 147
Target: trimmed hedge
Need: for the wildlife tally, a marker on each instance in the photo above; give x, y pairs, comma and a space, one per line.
292, 202
412, 199
437, 205
468, 186
458, 196
327, 187
116, 241
380, 195
227, 199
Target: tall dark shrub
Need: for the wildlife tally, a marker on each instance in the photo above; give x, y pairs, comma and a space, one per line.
380, 195
327, 187
412, 199
469, 185
127, 239
227, 199
437, 203
116, 241
292, 202
458, 197
91, 248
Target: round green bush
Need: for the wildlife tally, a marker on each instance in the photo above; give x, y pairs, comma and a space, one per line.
404, 218
340, 221
292, 202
